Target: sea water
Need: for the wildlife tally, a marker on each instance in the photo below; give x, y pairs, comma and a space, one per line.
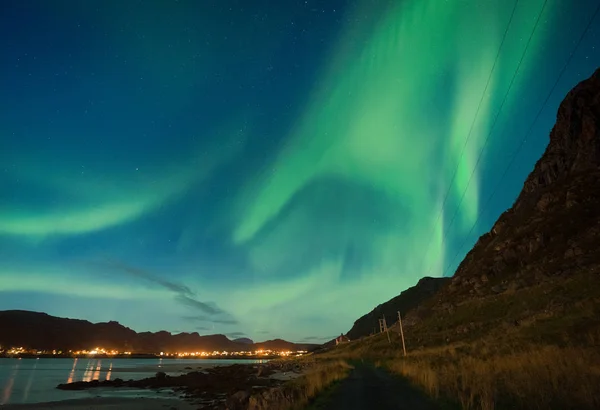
35, 380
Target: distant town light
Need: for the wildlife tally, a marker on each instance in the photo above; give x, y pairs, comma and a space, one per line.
19, 351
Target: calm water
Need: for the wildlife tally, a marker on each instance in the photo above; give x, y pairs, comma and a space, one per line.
34, 380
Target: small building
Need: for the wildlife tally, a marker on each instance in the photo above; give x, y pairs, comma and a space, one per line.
341, 339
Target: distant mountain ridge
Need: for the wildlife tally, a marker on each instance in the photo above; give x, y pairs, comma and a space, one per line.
45, 332
244, 340
404, 302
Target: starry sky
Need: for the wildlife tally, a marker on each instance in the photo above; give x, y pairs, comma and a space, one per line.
265, 169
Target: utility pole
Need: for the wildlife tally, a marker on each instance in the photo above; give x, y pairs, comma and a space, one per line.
387, 331
401, 333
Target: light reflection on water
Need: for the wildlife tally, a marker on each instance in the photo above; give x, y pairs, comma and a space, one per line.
9, 385
109, 371
29, 381
72, 374
35, 380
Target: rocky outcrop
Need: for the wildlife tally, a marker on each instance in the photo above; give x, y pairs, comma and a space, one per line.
574, 141
554, 225
235, 387
208, 388
550, 235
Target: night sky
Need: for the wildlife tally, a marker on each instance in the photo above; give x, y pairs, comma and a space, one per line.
263, 168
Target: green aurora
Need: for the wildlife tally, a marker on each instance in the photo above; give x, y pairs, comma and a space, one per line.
291, 180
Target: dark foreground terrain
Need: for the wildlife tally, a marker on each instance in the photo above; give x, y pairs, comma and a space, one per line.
368, 387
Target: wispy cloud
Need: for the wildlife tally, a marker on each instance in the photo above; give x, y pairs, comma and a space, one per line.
235, 335
317, 338
178, 288
183, 294
208, 308
201, 318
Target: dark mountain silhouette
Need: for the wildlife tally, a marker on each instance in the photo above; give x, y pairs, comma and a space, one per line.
42, 331
404, 302
279, 344
244, 340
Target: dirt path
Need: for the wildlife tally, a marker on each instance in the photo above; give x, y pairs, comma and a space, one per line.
368, 387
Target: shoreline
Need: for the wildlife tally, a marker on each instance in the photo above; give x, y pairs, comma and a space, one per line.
143, 357
187, 387
177, 367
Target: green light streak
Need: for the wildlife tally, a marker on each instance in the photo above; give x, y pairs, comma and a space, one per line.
107, 200
370, 119
60, 282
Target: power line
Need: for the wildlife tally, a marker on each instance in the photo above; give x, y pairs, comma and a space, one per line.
527, 134
462, 152
504, 99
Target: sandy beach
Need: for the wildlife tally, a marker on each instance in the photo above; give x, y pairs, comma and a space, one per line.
106, 403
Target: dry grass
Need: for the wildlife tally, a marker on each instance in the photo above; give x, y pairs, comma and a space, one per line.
546, 377
321, 377
297, 393
538, 348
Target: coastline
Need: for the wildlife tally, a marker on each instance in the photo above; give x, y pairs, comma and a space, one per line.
36, 380
172, 368
174, 386
140, 357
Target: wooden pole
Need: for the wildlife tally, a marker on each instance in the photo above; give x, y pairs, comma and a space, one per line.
401, 333
387, 331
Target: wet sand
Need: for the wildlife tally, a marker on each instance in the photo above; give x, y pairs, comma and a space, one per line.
106, 403
168, 368
179, 367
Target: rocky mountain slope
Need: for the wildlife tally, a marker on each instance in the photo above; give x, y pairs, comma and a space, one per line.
404, 302
42, 331
539, 266
536, 274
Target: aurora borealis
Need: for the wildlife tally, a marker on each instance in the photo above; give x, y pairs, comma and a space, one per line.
259, 168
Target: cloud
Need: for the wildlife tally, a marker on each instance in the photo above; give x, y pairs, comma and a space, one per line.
235, 335
317, 338
274, 302
202, 318
183, 294
208, 308
140, 273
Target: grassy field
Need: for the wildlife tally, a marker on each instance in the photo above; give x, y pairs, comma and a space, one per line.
550, 360
299, 393
538, 377
319, 378
485, 375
